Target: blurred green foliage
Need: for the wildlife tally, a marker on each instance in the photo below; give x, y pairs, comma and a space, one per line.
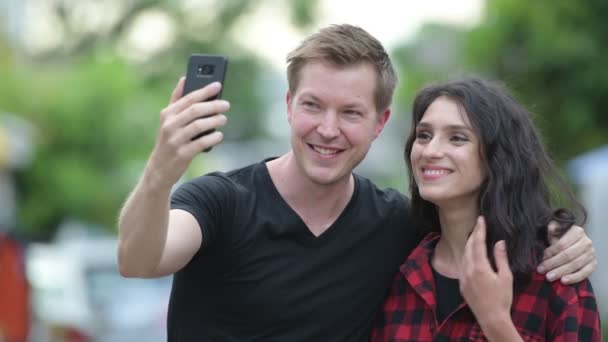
96, 113
551, 54
93, 120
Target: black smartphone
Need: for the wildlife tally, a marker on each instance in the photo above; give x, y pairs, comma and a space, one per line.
203, 70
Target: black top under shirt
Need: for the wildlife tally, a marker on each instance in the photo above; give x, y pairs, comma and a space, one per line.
261, 275
448, 293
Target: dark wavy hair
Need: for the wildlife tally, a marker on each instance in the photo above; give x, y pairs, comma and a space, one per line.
522, 188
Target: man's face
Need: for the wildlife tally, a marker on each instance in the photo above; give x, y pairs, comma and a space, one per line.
333, 119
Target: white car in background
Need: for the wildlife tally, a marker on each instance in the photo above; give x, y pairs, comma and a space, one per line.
79, 296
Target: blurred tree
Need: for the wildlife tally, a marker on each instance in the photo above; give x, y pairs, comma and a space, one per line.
549, 53
95, 98
552, 53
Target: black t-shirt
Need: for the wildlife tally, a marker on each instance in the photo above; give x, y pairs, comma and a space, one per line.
448, 295
261, 275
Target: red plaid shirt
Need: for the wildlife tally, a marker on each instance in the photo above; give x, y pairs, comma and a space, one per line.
541, 311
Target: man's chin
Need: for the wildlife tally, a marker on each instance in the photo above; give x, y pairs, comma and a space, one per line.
324, 177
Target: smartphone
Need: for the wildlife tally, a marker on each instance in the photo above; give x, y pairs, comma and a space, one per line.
203, 70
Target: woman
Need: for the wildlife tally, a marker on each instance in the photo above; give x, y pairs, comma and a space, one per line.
476, 161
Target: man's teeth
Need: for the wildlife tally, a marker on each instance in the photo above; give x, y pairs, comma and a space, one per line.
436, 172
325, 151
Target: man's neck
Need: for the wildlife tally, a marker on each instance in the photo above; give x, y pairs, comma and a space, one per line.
318, 205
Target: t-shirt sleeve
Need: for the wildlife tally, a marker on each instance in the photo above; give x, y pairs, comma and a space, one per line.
210, 199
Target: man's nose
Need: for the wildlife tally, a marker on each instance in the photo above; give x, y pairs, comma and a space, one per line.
329, 125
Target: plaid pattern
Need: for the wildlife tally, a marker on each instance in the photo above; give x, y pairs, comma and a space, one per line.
541, 311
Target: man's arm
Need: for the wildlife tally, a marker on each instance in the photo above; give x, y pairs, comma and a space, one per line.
153, 240
570, 258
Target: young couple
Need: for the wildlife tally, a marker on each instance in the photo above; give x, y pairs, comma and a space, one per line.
299, 248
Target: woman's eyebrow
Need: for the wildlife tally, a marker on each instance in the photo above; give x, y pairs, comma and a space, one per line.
453, 127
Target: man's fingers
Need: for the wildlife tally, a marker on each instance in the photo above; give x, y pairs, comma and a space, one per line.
179, 89
203, 143
202, 109
196, 96
572, 236
571, 267
502, 260
580, 275
202, 125
552, 232
566, 254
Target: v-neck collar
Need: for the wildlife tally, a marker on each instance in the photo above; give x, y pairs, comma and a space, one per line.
296, 223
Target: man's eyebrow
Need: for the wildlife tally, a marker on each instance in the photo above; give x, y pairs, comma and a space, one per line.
312, 96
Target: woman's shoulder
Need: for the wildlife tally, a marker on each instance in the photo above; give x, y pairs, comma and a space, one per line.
543, 307
537, 291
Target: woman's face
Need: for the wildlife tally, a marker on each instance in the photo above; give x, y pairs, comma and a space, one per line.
445, 155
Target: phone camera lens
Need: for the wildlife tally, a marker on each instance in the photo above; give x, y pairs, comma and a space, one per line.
206, 69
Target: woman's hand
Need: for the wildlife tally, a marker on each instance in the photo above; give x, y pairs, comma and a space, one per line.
489, 294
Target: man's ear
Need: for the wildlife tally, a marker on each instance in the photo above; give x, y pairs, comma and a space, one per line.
288, 100
382, 119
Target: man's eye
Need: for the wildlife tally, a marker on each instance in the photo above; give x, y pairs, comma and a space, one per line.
310, 104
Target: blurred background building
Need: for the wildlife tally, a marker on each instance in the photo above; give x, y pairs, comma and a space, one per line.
86, 79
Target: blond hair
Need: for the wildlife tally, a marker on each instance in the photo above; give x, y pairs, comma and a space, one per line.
345, 45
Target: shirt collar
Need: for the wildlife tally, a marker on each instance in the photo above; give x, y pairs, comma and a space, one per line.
417, 269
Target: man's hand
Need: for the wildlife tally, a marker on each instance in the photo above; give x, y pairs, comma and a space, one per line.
184, 118
478, 279
148, 244
570, 258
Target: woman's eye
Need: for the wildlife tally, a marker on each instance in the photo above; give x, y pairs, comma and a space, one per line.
423, 136
459, 138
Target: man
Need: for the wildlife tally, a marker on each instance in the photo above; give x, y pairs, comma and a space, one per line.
294, 248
